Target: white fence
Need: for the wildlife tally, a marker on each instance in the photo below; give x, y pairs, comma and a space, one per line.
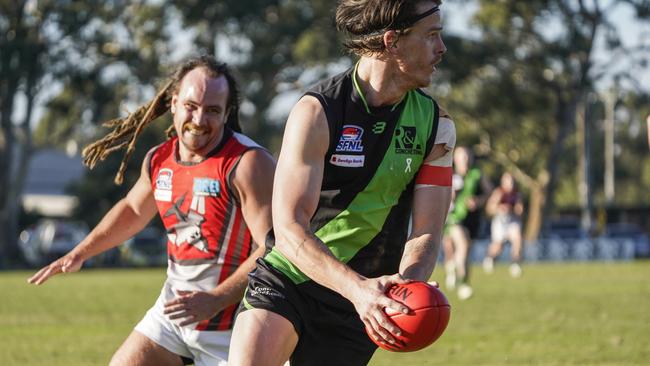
558, 250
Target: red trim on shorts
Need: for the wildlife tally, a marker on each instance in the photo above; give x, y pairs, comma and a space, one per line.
434, 175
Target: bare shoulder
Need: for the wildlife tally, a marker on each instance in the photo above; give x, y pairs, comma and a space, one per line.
255, 162
309, 113
252, 178
307, 126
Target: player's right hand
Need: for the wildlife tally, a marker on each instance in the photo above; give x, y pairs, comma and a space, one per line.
71, 262
370, 301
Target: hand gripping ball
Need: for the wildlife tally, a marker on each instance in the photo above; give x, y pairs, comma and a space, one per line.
425, 323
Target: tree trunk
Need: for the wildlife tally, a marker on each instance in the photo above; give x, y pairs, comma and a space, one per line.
535, 213
17, 182
6, 161
7, 239
565, 120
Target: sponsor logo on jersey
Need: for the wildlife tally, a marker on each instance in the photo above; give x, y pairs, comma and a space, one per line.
378, 127
348, 161
350, 140
163, 191
187, 229
164, 179
206, 187
406, 142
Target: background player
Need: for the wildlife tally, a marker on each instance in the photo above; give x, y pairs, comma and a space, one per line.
471, 190
209, 184
506, 207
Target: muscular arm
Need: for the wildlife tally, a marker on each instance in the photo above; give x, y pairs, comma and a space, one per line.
431, 202
295, 198
127, 217
430, 207
253, 182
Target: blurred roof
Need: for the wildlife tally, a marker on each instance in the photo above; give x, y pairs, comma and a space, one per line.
48, 174
50, 171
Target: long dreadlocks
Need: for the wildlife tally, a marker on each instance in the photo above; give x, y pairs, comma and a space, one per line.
127, 130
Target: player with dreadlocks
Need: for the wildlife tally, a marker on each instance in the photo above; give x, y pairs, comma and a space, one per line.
211, 186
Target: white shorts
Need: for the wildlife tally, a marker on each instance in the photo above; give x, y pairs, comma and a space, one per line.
502, 226
204, 347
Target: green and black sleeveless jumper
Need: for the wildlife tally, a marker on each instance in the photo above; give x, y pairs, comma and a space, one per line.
460, 214
372, 160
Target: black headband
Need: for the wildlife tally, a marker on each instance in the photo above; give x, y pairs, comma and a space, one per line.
401, 25
409, 22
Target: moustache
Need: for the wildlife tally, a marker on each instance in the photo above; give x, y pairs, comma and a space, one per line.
194, 129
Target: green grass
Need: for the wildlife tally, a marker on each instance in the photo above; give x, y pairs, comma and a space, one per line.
75, 319
556, 314
562, 314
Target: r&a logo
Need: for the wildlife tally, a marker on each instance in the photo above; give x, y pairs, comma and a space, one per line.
405, 141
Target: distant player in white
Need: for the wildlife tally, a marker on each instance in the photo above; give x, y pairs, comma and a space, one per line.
505, 205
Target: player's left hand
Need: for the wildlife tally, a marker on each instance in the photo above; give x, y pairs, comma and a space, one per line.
69, 263
192, 307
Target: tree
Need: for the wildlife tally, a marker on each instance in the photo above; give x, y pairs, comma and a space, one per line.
537, 68
75, 47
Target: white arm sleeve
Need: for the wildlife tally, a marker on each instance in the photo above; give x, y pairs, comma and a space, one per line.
446, 136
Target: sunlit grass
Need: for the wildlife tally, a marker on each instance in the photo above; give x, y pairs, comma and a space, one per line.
556, 314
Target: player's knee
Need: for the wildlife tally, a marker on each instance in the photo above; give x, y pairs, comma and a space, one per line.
261, 329
118, 359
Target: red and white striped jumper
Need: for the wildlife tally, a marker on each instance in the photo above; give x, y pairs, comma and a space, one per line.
207, 236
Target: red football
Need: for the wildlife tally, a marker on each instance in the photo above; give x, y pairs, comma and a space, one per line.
427, 320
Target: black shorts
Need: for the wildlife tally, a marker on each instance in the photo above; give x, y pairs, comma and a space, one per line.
328, 334
472, 223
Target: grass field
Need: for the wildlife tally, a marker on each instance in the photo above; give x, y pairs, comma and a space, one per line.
556, 314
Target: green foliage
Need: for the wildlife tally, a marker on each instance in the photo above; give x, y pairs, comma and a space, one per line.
60, 54
113, 51
97, 56
515, 90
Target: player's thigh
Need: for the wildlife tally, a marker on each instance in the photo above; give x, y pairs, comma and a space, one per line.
138, 350
498, 231
447, 243
259, 329
514, 232
459, 235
